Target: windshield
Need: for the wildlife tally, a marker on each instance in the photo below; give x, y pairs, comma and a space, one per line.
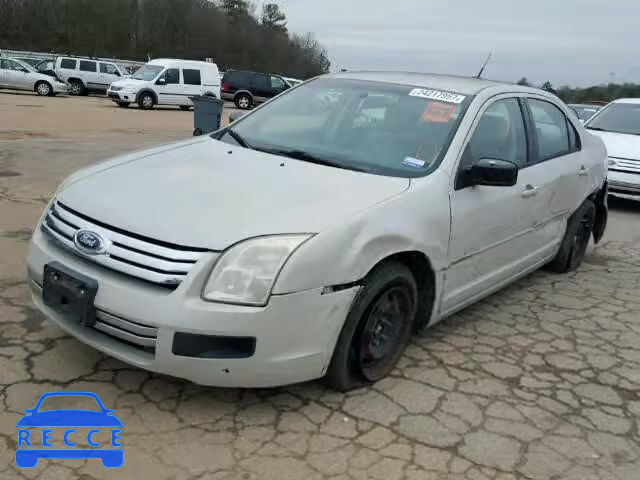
585, 112
380, 128
618, 118
147, 72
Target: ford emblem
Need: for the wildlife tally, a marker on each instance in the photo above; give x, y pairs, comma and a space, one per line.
89, 242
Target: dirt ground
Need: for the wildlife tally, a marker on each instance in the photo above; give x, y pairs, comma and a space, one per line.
540, 381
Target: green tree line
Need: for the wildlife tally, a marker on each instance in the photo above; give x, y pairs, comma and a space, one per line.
235, 33
597, 93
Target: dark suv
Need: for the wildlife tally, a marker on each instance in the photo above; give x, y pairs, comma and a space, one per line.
247, 89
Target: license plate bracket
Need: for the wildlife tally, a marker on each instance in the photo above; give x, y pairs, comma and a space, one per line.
69, 293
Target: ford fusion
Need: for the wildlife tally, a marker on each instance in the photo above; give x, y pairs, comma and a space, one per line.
312, 236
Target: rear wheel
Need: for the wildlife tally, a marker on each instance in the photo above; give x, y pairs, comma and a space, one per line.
44, 89
377, 329
146, 101
576, 239
76, 88
243, 101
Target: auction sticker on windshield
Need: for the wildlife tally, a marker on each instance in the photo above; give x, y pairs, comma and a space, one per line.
437, 95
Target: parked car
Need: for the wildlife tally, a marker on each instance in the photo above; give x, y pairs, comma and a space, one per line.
584, 111
618, 125
247, 89
311, 243
17, 75
85, 75
167, 82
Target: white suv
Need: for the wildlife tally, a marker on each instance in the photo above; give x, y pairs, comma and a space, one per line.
85, 75
313, 235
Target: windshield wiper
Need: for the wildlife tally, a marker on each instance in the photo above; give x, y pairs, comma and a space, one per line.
308, 157
598, 129
239, 138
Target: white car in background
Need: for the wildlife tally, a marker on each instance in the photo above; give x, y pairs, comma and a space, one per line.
304, 243
18, 75
618, 125
85, 75
167, 82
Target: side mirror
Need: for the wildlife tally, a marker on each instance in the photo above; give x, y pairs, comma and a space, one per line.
161, 81
491, 172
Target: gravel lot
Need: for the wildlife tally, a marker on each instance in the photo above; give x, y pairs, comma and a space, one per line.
540, 381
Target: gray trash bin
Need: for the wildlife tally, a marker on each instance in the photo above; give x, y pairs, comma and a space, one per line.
207, 114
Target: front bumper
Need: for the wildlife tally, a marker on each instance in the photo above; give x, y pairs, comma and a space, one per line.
624, 183
294, 334
59, 87
121, 96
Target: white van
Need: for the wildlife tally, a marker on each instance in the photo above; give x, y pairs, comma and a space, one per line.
167, 82
85, 75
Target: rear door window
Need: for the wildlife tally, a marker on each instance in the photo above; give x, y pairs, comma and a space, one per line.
191, 77
87, 66
68, 63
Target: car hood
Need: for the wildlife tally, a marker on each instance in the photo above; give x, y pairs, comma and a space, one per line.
69, 418
620, 145
128, 82
208, 194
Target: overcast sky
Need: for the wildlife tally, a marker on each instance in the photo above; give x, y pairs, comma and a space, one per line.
576, 42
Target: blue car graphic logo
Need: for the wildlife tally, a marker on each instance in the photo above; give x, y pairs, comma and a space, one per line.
33, 445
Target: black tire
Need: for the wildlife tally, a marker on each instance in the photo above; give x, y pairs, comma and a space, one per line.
123, 104
185, 108
76, 88
243, 101
576, 239
387, 304
44, 89
146, 101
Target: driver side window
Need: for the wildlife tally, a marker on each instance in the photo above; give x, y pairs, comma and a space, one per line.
171, 76
500, 135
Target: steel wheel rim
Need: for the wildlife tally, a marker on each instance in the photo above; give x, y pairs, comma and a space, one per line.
244, 102
383, 331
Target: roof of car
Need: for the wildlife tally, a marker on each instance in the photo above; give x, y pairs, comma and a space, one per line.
627, 100
464, 85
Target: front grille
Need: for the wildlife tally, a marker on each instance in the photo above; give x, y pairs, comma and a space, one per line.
135, 334
625, 165
148, 259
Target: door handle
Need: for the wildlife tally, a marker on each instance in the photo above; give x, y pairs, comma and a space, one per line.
529, 191
583, 172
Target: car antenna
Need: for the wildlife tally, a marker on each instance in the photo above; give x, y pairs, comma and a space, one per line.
484, 65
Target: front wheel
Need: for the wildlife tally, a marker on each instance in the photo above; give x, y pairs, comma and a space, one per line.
146, 101
377, 329
576, 239
76, 88
44, 89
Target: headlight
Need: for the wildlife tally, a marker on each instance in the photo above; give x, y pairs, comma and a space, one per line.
245, 274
